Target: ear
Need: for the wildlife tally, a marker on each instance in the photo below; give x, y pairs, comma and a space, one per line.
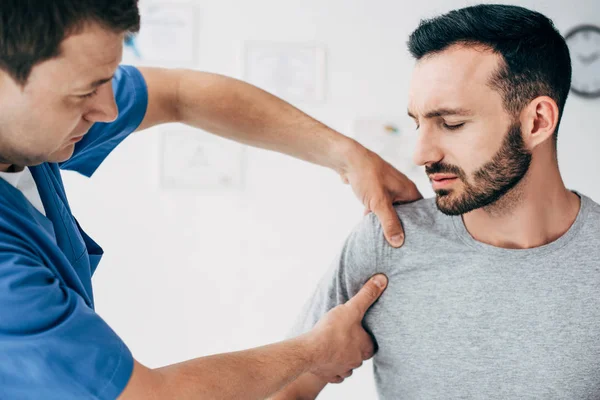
538, 121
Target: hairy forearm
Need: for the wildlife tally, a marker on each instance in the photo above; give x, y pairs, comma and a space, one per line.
306, 387
249, 374
245, 113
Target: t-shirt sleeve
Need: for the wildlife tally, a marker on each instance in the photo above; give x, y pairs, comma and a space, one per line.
350, 270
52, 345
131, 96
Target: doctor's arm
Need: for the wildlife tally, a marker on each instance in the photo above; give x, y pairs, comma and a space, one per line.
244, 113
331, 350
306, 387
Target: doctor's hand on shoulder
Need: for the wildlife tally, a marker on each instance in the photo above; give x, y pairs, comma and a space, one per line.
378, 185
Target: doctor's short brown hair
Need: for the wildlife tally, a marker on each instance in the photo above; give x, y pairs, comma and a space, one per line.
31, 31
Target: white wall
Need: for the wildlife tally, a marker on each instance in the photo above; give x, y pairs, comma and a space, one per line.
186, 274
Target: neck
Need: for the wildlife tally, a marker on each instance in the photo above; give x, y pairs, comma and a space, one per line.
536, 212
6, 167
10, 168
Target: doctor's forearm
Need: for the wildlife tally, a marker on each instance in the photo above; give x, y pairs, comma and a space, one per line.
242, 112
250, 374
306, 387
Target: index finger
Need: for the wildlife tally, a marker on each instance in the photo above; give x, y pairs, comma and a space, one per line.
392, 227
368, 294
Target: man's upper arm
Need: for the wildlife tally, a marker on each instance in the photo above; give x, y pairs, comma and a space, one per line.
354, 265
162, 87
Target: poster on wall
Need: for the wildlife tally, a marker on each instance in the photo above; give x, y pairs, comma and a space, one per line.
386, 137
167, 36
294, 72
197, 160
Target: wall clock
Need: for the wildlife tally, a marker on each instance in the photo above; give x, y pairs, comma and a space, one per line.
584, 46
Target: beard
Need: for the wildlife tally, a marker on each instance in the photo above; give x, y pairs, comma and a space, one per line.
491, 182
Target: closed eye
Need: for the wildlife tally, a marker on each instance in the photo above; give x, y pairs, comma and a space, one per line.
453, 127
87, 96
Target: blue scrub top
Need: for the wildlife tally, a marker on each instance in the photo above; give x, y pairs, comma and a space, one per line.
52, 343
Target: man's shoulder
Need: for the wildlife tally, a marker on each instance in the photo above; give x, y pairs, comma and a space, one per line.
423, 226
594, 208
419, 217
421, 212
591, 224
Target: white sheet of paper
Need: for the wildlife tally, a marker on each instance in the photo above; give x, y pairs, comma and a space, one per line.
295, 72
192, 158
167, 36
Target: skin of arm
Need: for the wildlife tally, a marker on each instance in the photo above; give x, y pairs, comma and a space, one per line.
249, 374
306, 387
244, 113
331, 350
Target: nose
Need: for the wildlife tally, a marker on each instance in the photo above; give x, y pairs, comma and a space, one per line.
103, 107
427, 149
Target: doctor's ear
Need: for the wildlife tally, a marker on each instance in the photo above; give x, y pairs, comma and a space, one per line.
538, 121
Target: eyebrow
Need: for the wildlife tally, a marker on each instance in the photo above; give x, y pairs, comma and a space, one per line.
443, 112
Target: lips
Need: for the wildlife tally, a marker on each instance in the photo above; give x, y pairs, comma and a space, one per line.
442, 181
441, 177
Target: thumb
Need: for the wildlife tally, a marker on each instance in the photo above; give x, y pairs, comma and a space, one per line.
368, 294
392, 228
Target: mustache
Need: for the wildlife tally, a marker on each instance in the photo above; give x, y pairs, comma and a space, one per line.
441, 168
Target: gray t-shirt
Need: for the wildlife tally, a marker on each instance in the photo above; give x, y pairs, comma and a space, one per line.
464, 320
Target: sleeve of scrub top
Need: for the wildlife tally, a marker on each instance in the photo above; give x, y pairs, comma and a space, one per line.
131, 96
52, 345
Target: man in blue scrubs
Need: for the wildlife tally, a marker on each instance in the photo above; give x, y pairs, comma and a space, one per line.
66, 103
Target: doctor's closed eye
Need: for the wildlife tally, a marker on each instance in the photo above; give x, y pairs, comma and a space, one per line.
95, 86
88, 95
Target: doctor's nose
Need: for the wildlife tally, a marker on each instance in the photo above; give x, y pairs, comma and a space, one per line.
103, 107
